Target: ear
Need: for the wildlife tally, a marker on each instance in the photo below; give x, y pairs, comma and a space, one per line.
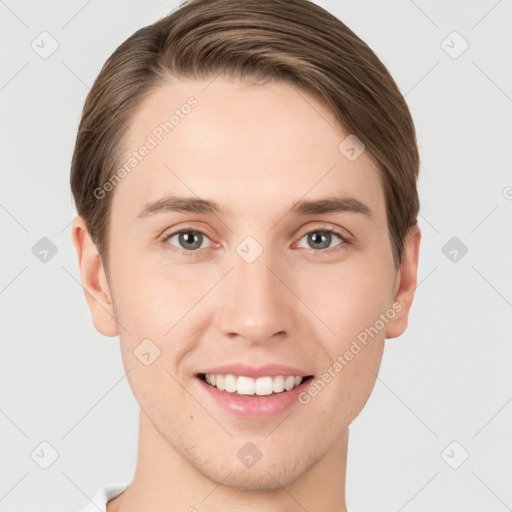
405, 284
94, 281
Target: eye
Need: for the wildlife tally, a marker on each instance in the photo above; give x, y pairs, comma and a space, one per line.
188, 240
322, 239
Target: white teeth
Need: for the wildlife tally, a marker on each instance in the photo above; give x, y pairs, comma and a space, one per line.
231, 383
248, 386
245, 386
289, 382
278, 384
221, 382
264, 386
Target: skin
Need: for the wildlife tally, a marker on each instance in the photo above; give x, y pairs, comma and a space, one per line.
254, 149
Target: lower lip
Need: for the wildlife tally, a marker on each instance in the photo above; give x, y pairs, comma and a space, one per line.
254, 406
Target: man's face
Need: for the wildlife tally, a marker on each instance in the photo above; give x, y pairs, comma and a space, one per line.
252, 284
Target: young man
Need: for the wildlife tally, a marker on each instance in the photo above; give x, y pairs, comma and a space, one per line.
245, 179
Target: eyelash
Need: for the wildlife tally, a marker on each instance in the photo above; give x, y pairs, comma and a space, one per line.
196, 252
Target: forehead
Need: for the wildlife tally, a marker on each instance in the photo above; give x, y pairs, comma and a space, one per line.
251, 147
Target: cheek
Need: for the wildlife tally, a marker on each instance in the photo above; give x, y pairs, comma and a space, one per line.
152, 298
351, 302
158, 334
347, 298
161, 313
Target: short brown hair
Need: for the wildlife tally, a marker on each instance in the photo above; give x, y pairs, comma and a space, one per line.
292, 40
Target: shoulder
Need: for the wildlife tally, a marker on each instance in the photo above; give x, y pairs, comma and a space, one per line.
102, 497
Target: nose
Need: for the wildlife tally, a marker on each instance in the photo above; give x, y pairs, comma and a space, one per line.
256, 305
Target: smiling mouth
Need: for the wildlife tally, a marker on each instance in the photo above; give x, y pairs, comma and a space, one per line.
247, 386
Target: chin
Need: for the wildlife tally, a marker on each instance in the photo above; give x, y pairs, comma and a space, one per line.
264, 475
253, 479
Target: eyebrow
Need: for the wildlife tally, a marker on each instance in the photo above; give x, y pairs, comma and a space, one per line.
331, 205
181, 204
301, 207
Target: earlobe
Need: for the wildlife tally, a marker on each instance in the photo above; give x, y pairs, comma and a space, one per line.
405, 284
94, 282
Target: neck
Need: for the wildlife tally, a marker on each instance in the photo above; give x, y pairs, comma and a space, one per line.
164, 480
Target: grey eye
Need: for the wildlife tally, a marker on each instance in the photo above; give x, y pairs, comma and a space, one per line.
188, 240
320, 238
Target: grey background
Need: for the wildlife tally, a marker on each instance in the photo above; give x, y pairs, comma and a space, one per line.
446, 379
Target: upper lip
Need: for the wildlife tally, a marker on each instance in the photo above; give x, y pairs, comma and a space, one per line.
270, 370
